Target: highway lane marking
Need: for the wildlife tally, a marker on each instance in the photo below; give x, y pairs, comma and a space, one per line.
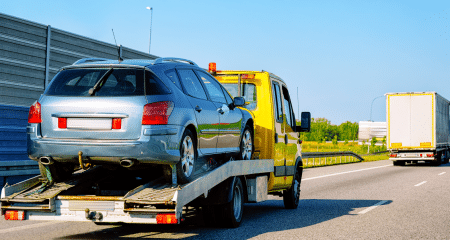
442, 173
334, 174
27, 227
420, 184
373, 207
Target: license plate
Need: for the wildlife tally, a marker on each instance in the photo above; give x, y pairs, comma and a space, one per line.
89, 123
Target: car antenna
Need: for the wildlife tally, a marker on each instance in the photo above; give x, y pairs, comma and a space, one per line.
118, 47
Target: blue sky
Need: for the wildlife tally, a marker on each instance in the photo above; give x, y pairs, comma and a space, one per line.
341, 55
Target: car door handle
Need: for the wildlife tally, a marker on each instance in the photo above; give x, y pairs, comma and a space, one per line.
198, 109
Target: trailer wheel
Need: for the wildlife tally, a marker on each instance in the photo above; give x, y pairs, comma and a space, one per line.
246, 146
188, 157
398, 163
291, 197
233, 211
438, 160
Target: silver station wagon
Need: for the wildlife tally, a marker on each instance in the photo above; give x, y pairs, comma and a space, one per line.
165, 113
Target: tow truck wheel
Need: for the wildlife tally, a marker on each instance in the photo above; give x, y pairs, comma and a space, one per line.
188, 157
291, 197
233, 211
246, 146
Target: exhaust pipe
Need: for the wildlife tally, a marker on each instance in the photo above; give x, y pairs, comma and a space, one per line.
127, 163
46, 160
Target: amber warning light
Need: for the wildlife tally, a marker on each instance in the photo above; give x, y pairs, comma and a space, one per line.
212, 68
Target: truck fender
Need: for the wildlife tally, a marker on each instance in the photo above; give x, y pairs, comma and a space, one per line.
223, 193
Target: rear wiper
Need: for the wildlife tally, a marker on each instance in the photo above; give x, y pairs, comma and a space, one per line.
100, 82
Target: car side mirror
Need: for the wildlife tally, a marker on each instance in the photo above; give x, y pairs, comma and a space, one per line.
305, 123
238, 101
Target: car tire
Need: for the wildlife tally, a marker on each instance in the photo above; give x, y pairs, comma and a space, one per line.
246, 145
291, 196
188, 158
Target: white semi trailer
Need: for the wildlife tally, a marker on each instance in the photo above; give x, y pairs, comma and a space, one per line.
417, 127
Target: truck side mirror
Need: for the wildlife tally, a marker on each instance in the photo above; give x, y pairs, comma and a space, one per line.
305, 123
238, 101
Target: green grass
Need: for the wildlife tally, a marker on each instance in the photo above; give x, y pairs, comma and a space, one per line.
361, 150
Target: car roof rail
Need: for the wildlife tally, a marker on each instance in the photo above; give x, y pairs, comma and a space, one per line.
86, 60
171, 59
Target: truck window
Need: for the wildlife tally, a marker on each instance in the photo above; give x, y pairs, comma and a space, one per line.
248, 92
277, 102
290, 118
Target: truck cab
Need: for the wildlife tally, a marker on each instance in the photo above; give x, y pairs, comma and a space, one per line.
275, 130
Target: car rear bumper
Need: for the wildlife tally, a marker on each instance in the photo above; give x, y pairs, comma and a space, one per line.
157, 144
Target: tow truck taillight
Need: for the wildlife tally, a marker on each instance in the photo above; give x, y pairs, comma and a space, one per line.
248, 76
34, 115
212, 68
393, 155
166, 218
430, 155
157, 113
14, 215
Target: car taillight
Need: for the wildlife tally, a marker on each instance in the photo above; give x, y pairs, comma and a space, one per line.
14, 215
157, 113
166, 218
62, 122
116, 123
34, 115
393, 155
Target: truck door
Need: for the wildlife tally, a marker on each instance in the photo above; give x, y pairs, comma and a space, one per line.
279, 146
291, 137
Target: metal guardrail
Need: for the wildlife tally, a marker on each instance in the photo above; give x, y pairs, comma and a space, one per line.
326, 158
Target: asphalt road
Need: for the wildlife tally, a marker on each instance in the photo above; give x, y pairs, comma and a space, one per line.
372, 200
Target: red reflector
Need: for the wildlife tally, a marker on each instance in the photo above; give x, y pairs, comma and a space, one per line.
393, 155
166, 218
248, 76
62, 122
430, 155
116, 123
212, 67
157, 113
420, 155
34, 115
14, 215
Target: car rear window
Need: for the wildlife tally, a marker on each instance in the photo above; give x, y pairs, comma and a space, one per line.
121, 82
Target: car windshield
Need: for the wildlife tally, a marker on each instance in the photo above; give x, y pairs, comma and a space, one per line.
120, 82
248, 91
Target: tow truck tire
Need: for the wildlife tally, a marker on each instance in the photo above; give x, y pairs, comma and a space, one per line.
188, 157
291, 197
234, 210
246, 146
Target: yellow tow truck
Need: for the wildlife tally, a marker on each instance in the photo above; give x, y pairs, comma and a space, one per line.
275, 130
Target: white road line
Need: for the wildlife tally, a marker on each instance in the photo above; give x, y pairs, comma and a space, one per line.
373, 207
442, 173
334, 174
27, 227
420, 184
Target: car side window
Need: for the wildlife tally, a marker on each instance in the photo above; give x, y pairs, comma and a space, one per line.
227, 96
172, 75
213, 87
192, 84
288, 108
277, 102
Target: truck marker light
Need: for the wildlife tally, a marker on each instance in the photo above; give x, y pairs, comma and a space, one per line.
14, 215
212, 68
116, 123
430, 155
62, 122
34, 115
157, 113
166, 218
248, 76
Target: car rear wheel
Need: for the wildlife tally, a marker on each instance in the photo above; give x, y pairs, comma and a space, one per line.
246, 146
188, 157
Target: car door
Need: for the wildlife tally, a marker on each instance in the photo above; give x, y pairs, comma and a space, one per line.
205, 112
230, 119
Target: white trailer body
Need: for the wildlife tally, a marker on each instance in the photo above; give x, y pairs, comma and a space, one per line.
417, 127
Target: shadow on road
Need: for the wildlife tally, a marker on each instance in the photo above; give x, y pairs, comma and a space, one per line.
266, 217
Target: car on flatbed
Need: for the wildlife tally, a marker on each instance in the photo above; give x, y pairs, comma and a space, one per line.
159, 113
